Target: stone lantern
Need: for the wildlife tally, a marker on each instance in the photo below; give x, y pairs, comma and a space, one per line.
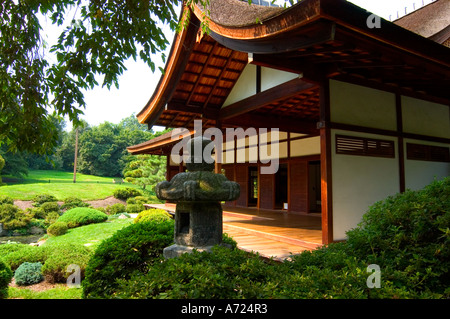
197, 194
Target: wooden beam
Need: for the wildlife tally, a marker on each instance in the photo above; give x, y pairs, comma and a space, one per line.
282, 91
285, 124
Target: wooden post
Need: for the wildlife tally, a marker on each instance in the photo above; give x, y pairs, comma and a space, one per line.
76, 157
325, 163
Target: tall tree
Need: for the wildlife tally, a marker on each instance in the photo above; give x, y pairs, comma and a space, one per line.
101, 35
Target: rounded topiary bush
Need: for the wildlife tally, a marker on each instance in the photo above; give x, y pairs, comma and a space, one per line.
127, 192
82, 216
63, 255
6, 275
152, 214
28, 274
133, 248
57, 229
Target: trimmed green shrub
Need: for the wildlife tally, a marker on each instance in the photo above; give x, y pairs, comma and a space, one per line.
152, 214
137, 200
406, 235
6, 275
63, 255
43, 198
6, 200
57, 229
82, 216
48, 207
116, 209
26, 253
72, 202
12, 217
133, 248
51, 218
28, 274
223, 274
135, 208
127, 192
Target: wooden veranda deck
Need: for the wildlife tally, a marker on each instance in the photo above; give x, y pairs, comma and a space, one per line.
274, 234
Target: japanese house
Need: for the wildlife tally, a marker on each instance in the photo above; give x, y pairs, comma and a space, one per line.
361, 103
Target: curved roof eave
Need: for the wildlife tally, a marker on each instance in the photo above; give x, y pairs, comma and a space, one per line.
178, 57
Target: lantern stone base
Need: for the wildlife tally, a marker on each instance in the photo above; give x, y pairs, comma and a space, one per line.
177, 250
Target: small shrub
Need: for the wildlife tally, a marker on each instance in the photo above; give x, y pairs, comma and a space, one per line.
48, 207
6, 200
63, 255
12, 217
116, 209
72, 202
127, 192
137, 200
51, 218
6, 275
152, 214
133, 248
57, 229
135, 208
28, 274
26, 253
82, 216
44, 198
223, 274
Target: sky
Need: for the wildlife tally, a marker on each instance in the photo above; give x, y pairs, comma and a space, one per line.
137, 83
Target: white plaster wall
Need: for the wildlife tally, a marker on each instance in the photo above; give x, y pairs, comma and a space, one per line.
271, 77
418, 174
246, 84
358, 182
305, 146
425, 118
362, 106
244, 87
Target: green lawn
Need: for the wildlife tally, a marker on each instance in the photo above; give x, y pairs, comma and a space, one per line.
89, 235
60, 184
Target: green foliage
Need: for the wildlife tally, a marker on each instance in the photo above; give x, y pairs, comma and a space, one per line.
5, 278
137, 200
63, 255
55, 258
43, 198
135, 208
100, 38
28, 274
406, 235
72, 202
115, 209
127, 192
48, 207
82, 216
6, 200
57, 229
152, 214
12, 217
145, 170
25, 253
133, 248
